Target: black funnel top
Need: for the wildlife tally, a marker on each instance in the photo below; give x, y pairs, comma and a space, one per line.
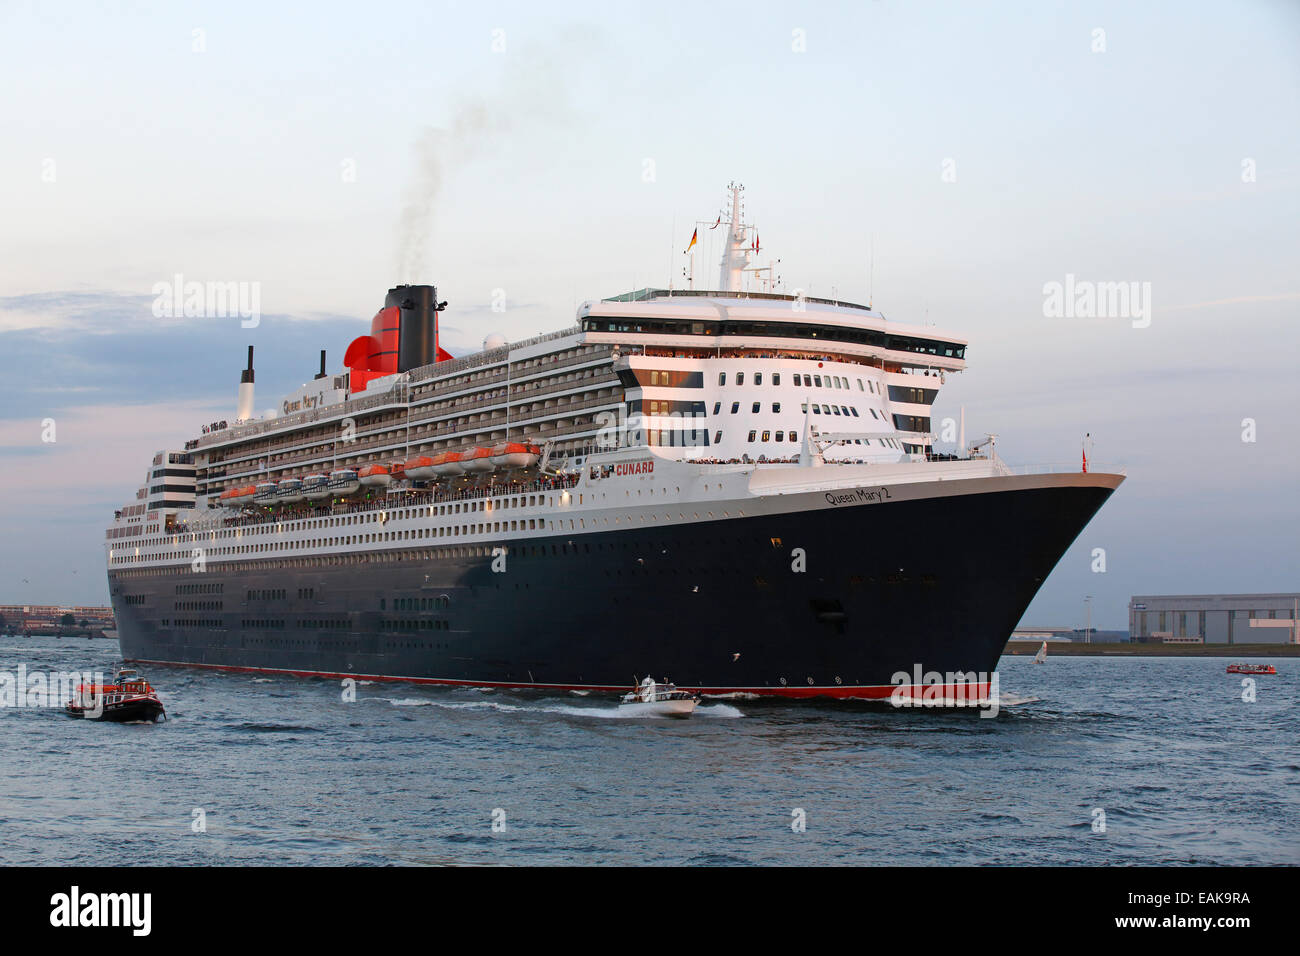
418, 326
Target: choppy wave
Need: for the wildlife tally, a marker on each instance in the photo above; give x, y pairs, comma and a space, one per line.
1183, 769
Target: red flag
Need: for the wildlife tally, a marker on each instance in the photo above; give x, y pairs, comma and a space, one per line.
718, 223
1085, 461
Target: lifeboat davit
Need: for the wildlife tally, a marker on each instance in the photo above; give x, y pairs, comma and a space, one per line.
379, 475
264, 493
515, 455
344, 481
420, 468
478, 460
315, 487
289, 491
447, 464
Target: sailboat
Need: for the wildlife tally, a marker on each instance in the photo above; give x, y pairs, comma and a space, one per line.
1041, 656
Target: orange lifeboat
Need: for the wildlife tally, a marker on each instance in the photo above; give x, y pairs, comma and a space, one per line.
448, 463
515, 455
478, 460
379, 475
420, 467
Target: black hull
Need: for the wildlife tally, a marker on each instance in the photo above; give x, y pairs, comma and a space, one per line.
936, 583
124, 713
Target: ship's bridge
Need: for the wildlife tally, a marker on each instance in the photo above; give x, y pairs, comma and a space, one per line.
722, 320
722, 376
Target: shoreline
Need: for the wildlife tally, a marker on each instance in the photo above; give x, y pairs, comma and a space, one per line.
1117, 649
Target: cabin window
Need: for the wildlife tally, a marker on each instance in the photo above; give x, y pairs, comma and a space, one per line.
717, 407
756, 407
776, 378
752, 434
826, 410
758, 378
798, 378
818, 380
780, 436
776, 407
855, 412
735, 407
767, 436
722, 378
717, 437
792, 438
740, 378
835, 409
817, 410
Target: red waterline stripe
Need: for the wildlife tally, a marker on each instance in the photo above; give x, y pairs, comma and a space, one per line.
965, 692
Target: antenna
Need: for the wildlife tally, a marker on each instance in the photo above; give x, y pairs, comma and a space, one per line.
871, 275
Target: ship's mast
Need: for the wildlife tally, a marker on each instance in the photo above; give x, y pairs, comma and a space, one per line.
735, 253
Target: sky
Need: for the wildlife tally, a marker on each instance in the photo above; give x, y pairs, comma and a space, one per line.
946, 161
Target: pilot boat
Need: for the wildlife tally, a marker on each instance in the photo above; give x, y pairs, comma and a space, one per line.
652, 699
129, 697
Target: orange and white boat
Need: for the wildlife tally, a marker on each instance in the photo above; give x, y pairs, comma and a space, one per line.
419, 467
376, 475
447, 463
477, 460
237, 497
508, 455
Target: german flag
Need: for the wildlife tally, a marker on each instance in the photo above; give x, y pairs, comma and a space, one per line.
695, 237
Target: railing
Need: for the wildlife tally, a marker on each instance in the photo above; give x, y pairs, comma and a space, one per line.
394, 497
1056, 468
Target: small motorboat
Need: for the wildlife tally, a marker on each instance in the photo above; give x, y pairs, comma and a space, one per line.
129, 697
1251, 669
652, 699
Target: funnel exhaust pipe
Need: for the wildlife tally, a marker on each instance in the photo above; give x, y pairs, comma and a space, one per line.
244, 408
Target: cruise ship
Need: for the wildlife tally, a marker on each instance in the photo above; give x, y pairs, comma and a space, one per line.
733, 489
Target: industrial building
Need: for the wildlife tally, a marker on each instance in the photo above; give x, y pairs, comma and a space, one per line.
1215, 618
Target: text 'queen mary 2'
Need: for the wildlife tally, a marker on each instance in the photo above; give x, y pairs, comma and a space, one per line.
735, 490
